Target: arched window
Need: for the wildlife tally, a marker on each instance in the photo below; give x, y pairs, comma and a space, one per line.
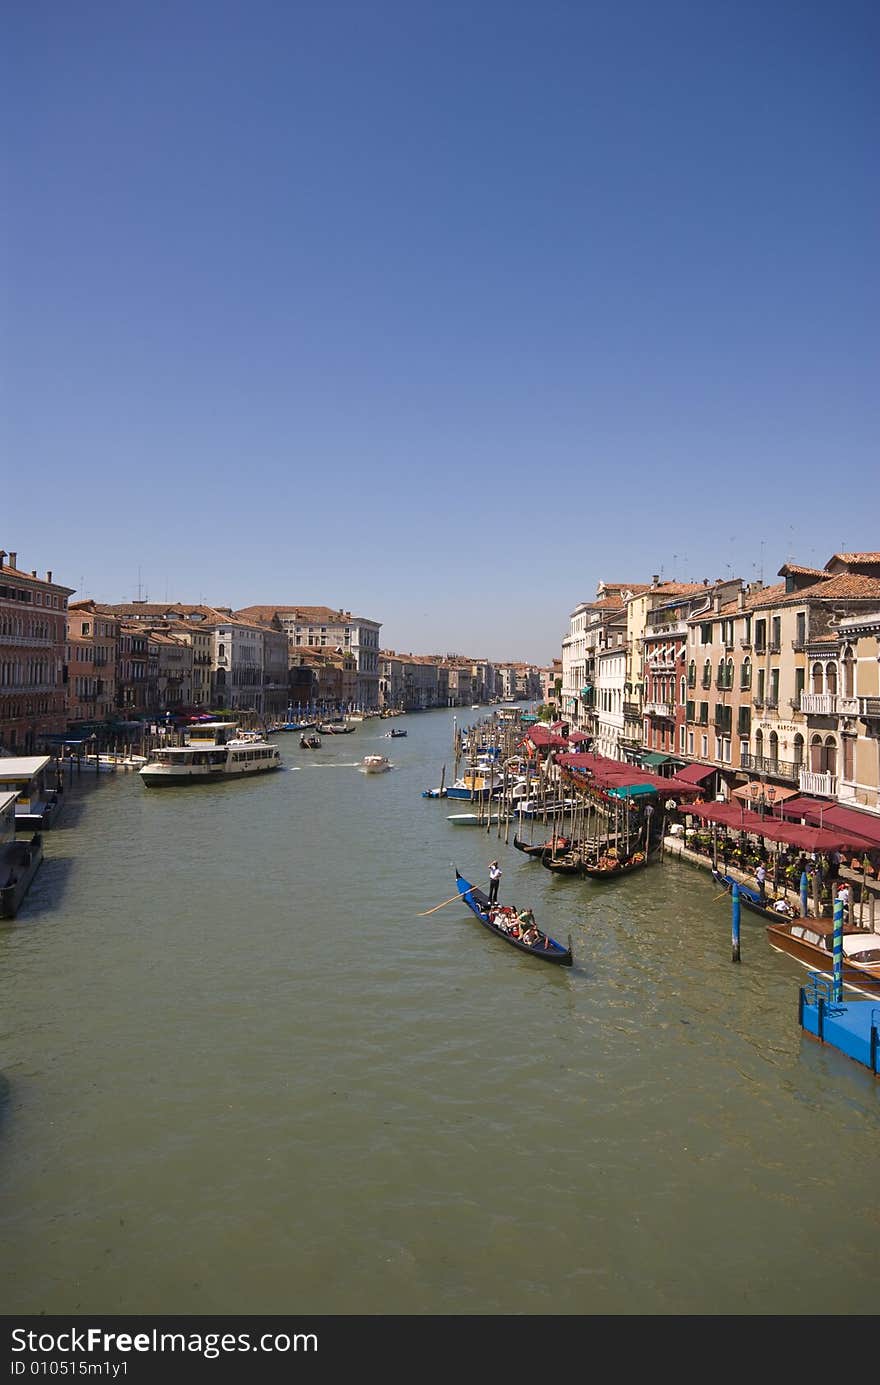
816, 755
831, 678
728, 682
818, 680
707, 673
221, 653
774, 747
745, 679
692, 674
759, 744
798, 749
848, 757
682, 691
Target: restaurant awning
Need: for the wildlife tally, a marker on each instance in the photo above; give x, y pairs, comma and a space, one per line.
756, 792
738, 819
695, 774
822, 813
656, 757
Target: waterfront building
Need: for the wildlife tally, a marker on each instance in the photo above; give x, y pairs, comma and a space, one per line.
391, 685
92, 640
33, 629
609, 665
765, 665
137, 670
332, 679
663, 665
856, 708
320, 627
174, 669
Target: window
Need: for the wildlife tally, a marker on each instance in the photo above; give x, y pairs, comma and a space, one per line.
707, 674
690, 742
799, 674
761, 676
704, 747
774, 687
776, 633
689, 711
801, 629
706, 633
744, 721
704, 714
692, 674
743, 752
745, 673
760, 636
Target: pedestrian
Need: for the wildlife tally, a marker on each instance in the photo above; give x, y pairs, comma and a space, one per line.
494, 881
761, 877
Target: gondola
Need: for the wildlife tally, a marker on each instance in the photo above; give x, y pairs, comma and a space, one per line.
393, 735
568, 864
478, 902
310, 742
751, 900
609, 869
538, 849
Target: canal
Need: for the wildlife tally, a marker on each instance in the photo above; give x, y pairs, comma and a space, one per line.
239, 1074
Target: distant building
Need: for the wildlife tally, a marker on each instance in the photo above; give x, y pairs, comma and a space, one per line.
33, 630
92, 650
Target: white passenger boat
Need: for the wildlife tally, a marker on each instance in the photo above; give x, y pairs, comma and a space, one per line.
375, 764
214, 750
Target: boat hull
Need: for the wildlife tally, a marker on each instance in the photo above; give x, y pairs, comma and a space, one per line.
156, 779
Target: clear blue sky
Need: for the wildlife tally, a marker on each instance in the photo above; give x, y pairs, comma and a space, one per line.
440, 312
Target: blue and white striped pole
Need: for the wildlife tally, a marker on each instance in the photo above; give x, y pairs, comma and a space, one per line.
734, 895
805, 894
838, 951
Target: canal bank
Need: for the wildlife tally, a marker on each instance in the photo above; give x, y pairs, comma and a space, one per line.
241, 1075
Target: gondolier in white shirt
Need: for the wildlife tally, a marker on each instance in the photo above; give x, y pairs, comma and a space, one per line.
494, 881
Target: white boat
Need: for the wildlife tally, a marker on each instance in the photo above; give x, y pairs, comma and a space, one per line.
471, 819
375, 764
214, 750
536, 807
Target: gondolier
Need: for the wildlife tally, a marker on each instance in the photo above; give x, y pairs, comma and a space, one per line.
494, 881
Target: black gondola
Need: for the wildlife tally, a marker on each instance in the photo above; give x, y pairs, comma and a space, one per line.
610, 869
478, 902
310, 742
567, 864
538, 849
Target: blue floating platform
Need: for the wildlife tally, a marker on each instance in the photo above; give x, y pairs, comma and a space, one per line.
851, 1026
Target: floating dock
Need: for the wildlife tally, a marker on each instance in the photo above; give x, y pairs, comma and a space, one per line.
851, 1026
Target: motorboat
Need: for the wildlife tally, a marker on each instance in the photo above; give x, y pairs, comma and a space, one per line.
375, 764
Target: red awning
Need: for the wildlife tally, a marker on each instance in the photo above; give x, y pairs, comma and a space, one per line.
575, 736
695, 774
739, 819
860, 827
541, 737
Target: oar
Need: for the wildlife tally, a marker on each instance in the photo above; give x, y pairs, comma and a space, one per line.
441, 906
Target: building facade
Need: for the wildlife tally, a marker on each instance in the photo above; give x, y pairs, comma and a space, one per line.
92, 653
33, 644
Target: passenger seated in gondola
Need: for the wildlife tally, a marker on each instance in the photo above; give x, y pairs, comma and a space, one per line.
782, 907
531, 935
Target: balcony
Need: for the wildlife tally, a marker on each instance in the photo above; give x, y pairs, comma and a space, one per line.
869, 708
773, 647
831, 705
771, 701
659, 709
813, 781
670, 628
633, 710
758, 702
778, 769
798, 646
746, 642
660, 665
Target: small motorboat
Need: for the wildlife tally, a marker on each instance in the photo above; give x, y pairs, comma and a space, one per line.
374, 764
395, 734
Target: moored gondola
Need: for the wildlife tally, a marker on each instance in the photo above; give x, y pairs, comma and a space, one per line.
538, 848
569, 863
776, 910
547, 948
610, 867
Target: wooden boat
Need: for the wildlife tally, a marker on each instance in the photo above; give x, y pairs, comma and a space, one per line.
327, 728
538, 849
751, 899
395, 733
610, 867
811, 942
547, 948
310, 742
567, 864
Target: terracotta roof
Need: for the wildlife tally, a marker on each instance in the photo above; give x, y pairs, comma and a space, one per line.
7, 571
797, 571
854, 558
608, 603
305, 615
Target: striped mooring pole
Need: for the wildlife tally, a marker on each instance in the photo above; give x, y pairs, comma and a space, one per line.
805, 894
838, 951
735, 907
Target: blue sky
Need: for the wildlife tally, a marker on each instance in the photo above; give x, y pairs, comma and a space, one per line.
441, 313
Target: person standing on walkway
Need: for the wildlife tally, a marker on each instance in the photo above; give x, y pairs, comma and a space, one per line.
494, 881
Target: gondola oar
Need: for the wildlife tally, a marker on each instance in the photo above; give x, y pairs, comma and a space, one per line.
440, 906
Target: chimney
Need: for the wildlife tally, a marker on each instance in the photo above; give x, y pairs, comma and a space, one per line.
13, 560
48, 575
33, 572
741, 600
2, 556
755, 586
716, 602
705, 581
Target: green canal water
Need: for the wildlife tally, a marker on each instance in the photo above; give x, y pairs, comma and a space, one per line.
238, 1074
